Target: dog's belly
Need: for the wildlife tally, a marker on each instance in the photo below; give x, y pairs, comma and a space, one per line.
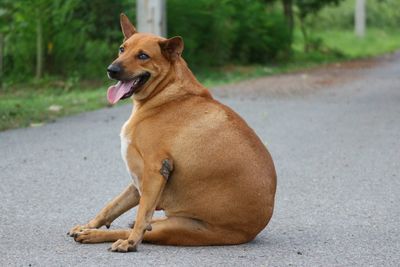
221, 192
223, 173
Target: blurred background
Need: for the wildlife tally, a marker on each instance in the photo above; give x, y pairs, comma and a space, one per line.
54, 53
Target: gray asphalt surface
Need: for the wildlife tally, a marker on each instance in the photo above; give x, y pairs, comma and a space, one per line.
337, 154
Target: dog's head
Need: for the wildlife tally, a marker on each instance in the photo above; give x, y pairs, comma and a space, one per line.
143, 62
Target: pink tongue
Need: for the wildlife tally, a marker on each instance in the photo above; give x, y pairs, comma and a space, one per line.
115, 92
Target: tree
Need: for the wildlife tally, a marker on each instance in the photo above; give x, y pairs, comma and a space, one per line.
306, 8
39, 44
288, 12
6, 11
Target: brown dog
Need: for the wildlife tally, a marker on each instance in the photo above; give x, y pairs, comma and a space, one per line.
188, 155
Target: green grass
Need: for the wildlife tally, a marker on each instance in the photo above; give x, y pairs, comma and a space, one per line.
28, 105
375, 42
21, 106
336, 46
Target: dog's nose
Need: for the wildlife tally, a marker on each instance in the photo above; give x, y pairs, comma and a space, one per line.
113, 70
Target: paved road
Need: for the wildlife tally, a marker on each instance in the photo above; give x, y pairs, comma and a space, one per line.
337, 153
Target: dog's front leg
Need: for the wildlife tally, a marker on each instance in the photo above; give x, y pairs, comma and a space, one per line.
154, 179
128, 199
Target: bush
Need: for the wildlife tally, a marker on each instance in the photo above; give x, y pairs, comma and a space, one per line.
261, 34
206, 29
228, 31
383, 14
81, 38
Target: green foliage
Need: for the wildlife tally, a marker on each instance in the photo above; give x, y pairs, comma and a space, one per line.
80, 37
383, 14
219, 32
307, 7
205, 27
259, 37
375, 42
21, 107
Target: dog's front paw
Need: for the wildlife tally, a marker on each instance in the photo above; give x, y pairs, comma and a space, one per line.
124, 246
76, 230
88, 236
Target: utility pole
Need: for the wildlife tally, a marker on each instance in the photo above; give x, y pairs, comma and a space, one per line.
152, 16
359, 18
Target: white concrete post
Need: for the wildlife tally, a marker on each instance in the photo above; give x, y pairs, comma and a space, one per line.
152, 16
359, 18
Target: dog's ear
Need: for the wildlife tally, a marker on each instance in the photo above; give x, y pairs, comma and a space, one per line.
172, 48
127, 28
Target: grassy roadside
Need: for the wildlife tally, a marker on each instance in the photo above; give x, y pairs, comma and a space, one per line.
33, 105
21, 107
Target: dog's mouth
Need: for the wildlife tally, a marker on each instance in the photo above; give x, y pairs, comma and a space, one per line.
125, 89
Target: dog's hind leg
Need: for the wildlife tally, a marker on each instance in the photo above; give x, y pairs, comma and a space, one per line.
182, 231
178, 231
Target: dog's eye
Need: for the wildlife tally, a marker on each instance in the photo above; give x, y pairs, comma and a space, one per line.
143, 56
121, 49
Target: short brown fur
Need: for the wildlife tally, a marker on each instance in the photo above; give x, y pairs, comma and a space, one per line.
219, 186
